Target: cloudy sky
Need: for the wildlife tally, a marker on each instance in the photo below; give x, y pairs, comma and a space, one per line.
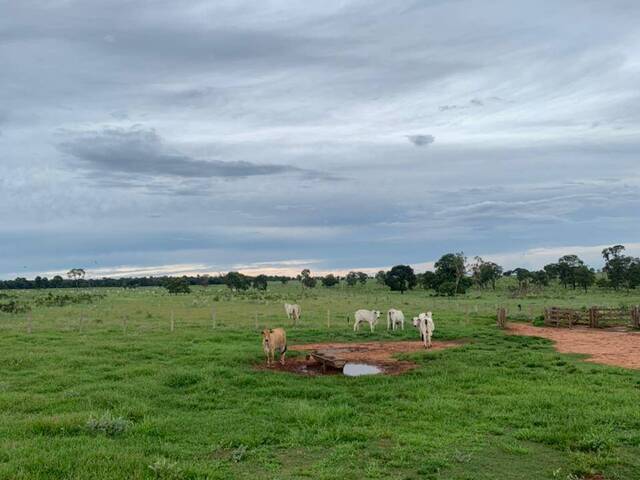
200, 136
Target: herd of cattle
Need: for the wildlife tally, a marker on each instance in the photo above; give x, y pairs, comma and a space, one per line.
275, 340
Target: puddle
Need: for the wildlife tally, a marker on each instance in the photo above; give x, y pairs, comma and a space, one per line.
358, 369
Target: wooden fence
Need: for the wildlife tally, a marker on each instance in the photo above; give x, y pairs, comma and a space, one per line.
594, 317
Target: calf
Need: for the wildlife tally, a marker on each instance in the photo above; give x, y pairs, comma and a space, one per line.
293, 312
366, 316
424, 323
274, 340
395, 318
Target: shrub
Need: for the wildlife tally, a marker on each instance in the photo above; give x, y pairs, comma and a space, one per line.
14, 307
163, 469
107, 425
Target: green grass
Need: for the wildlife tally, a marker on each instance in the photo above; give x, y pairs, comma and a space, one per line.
106, 390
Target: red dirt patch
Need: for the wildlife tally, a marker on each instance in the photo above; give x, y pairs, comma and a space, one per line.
380, 354
621, 349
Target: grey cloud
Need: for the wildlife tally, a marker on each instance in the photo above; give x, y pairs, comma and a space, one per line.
421, 140
139, 151
272, 92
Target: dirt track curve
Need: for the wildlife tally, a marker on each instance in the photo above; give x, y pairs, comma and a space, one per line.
621, 349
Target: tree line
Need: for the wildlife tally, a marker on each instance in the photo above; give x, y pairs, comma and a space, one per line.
453, 274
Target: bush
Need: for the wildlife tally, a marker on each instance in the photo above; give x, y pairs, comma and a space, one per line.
163, 469
61, 300
107, 425
14, 307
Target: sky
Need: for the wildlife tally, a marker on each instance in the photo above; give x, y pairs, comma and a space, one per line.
162, 137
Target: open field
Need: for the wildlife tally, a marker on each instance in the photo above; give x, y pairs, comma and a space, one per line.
110, 390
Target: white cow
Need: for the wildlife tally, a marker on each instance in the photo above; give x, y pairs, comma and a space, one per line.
293, 311
395, 318
424, 323
366, 316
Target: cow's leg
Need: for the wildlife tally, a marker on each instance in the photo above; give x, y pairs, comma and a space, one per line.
371, 325
355, 326
282, 357
429, 339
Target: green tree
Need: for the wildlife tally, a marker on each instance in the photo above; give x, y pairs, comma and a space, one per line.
351, 278
616, 266
451, 268
330, 280
567, 267
584, 276
177, 285
427, 280
540, 278
76, 274
380, 277
260, 282
552, 270
633, 275
362, 277
306, 279
236, 281
401, 278
485, 273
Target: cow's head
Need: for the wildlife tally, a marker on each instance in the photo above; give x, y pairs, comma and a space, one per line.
266, 333
416, 321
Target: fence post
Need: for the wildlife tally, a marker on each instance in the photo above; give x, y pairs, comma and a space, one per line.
173, 321
635, 317
593, 317
328, 318
501, 317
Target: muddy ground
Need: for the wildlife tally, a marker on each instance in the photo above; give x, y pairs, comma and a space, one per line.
380, 354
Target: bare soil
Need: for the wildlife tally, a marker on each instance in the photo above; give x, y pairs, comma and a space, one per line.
621, 349
380, 354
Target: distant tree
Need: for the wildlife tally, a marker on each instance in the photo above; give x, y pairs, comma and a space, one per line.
362, 277
57, 282
447, 289
284, 280
633, 275
485, 273
616, 266
380, 277
177, 285
351, 278
401, 278
451, 268
552, 270
306, 279
236, 281
330, 280
540, 278
260, 282
428, 280
567, 267
76, 274
584, 276
523, 275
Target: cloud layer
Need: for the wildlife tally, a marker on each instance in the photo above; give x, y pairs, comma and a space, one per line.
358, 134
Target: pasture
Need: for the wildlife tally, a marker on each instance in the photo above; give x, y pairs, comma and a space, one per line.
141, 384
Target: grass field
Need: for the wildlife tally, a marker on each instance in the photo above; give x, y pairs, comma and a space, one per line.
108, 390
